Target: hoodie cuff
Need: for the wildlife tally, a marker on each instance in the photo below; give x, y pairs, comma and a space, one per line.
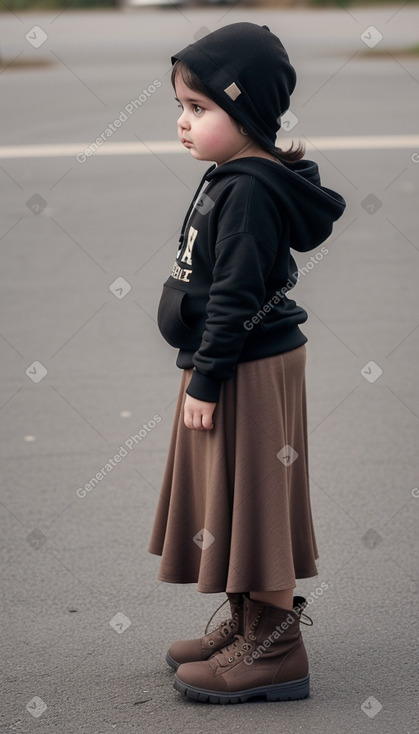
204, 388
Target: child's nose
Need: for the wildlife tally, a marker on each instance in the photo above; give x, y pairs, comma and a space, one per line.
183, 121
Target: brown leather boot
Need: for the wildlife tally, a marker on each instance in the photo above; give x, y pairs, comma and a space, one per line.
185, 651
268, 660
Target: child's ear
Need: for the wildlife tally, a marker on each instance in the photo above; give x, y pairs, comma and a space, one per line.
243, 131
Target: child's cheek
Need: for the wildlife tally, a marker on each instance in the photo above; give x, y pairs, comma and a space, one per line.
216, 137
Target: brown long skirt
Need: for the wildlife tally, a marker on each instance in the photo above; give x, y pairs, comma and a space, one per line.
234, 511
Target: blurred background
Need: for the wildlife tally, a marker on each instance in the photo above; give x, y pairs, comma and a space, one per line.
93, 189
49, 4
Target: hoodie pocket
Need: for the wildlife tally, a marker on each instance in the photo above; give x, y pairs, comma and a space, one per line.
170, 320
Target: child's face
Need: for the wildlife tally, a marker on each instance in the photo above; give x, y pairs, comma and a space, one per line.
207, 130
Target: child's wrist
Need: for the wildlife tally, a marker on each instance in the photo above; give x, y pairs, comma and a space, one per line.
205, 388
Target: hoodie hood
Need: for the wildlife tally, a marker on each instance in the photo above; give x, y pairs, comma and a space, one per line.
310, 207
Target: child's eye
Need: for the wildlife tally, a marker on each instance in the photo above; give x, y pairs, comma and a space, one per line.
197, 109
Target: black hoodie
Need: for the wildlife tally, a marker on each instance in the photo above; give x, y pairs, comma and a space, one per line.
225, 301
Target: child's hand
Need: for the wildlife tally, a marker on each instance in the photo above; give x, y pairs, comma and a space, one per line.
198, 414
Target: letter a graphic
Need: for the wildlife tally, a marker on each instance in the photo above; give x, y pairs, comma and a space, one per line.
187, 255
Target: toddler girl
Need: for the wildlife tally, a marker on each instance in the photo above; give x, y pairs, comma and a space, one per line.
234, 512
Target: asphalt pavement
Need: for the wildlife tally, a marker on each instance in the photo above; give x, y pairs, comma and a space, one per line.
88, 233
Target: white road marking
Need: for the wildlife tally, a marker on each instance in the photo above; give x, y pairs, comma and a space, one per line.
64, 150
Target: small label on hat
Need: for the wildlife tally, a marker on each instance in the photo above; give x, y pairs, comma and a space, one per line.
233, 91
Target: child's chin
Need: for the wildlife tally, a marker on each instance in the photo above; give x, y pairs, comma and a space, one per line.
198, 156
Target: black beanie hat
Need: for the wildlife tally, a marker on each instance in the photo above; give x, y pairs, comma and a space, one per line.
249, 75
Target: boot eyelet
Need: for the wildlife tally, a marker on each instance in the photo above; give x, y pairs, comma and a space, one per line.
226, 631
246, 646
238, 654
211, 642
230, 659
251, 636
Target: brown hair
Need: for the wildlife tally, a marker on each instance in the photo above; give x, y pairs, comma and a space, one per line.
193, 82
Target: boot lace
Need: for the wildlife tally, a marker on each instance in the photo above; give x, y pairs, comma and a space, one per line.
226, 625
231, 623
235, 648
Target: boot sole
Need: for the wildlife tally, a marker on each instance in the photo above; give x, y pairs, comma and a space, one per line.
292, 691
173, 664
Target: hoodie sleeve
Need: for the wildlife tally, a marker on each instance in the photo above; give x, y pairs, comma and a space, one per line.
243, 260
